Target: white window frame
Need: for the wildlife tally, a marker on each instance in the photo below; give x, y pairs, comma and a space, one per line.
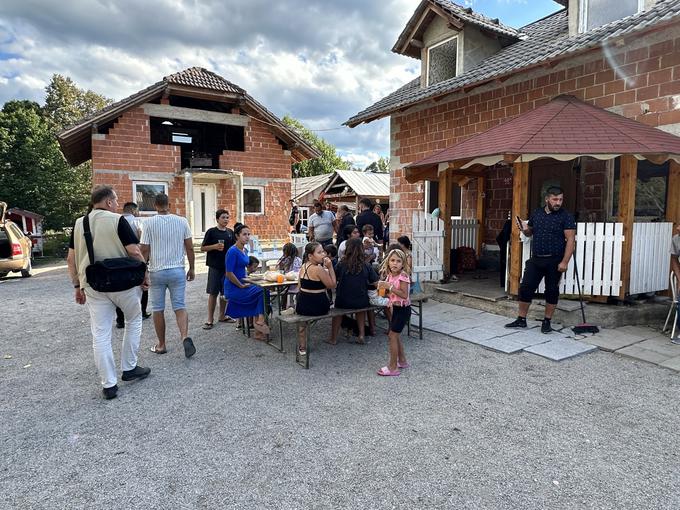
448, 39
154, 183
583, 14
262, 205
304, 216
427, 201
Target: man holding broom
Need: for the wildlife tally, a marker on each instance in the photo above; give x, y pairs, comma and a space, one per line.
554, 237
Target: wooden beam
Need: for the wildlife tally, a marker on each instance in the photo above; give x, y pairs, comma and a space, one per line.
520, 207
445, 210
673, 204
627, 183
481, 211
193, 114
420, 174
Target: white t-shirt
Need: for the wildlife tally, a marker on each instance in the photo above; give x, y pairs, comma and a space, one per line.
323, 225
165, 235
134, 223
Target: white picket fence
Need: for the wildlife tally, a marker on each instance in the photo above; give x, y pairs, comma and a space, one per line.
597, 258
428, 247
650, 258
464, 233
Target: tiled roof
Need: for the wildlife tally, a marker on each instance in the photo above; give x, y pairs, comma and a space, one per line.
75, 140
547, 39
466, 15
202, 78
565, 125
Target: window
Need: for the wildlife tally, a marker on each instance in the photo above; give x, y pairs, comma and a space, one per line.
304, 215
651, 189
442, 61
432, 198
253, 200
144, 194
595, 13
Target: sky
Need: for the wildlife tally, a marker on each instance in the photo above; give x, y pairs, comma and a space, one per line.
320, 61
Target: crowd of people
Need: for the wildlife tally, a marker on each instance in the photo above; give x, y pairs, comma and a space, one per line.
347, 263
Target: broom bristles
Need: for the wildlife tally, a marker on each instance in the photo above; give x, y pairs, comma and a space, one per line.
585, 328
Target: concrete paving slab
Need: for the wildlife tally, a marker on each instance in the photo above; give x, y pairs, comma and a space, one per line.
640, 353
613, 340
509, 344
643, 332
481, 334
534, 337
445, 328
672, 363
561, 349
661, 346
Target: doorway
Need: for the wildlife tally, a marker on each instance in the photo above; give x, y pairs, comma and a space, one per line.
205, 201
544, 173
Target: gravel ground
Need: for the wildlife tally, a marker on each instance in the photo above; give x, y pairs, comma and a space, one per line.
240, 425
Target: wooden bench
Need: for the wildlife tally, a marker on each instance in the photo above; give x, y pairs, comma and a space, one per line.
417, 301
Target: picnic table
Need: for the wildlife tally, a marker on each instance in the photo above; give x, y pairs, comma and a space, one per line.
272, 294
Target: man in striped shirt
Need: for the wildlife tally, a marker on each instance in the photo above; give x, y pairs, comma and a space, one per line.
165, 239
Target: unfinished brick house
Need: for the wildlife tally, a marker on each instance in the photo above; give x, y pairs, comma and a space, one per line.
622, 56
202, 140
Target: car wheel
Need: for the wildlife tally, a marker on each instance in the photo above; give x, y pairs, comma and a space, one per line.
25, 273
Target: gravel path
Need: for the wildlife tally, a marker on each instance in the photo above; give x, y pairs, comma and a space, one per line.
240, 425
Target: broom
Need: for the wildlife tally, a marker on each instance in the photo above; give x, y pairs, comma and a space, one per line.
584, 327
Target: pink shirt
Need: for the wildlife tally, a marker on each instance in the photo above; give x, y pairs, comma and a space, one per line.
395, 281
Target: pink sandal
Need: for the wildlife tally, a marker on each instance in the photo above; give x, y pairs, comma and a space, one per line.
403, 365
385, 371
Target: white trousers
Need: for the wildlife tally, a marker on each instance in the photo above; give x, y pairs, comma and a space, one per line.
102, 308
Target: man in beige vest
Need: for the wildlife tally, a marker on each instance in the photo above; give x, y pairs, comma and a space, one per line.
112, 238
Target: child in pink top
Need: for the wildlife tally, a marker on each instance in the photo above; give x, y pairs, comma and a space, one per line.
397, 283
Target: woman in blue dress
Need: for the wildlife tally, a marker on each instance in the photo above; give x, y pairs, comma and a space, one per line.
245, 300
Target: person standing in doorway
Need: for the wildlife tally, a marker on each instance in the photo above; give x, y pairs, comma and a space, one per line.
554, 234
165, 240
321, 225
112, 237
216, 242
131, 215
294, 218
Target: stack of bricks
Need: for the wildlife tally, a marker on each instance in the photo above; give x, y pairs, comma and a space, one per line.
640, 81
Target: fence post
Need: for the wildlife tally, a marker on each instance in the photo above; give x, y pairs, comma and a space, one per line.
520, 205
445, 209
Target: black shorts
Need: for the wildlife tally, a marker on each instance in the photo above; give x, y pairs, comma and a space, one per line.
215, 285
400, 317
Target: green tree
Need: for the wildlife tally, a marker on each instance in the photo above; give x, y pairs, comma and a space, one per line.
66, 104
329, 160
382, 165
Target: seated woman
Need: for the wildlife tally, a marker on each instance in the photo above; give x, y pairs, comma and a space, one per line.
245, 300
354, 276
316, 276
352, 232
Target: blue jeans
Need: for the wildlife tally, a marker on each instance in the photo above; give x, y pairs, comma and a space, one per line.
172, 279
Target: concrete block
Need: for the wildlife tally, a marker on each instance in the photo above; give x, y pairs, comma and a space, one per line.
481, 334
561, 349
529, 337
612, 339
672, 363
509, 344
641, 331
636, 352
661, 345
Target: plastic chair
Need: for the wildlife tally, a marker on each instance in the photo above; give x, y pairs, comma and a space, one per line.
674, 305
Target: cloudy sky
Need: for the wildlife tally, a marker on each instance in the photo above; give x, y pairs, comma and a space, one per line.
320, 61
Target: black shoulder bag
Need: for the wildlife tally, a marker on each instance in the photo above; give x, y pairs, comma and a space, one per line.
111, 275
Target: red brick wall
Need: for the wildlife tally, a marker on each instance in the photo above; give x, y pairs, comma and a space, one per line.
647, 95
126, 149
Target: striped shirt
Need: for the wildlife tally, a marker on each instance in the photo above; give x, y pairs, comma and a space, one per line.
165, 235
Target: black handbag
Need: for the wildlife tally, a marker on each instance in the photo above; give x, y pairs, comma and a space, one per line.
111, 275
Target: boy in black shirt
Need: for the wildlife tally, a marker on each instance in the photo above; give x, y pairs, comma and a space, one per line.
216, 242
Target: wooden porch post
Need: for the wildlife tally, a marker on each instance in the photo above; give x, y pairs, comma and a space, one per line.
520, 207
445, 195
627, 183
481, 186
673, 204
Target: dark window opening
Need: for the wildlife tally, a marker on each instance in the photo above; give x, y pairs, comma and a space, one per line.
201, 142
433, 199
200, 104
651, 189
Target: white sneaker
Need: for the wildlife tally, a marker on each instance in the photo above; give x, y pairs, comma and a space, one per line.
676, 340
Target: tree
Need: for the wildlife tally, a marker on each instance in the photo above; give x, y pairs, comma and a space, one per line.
66, 104
382, 165
329, 160
33, 172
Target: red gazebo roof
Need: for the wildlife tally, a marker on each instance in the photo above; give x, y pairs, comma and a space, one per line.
563, 128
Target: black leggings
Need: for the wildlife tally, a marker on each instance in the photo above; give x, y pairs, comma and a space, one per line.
535, 270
